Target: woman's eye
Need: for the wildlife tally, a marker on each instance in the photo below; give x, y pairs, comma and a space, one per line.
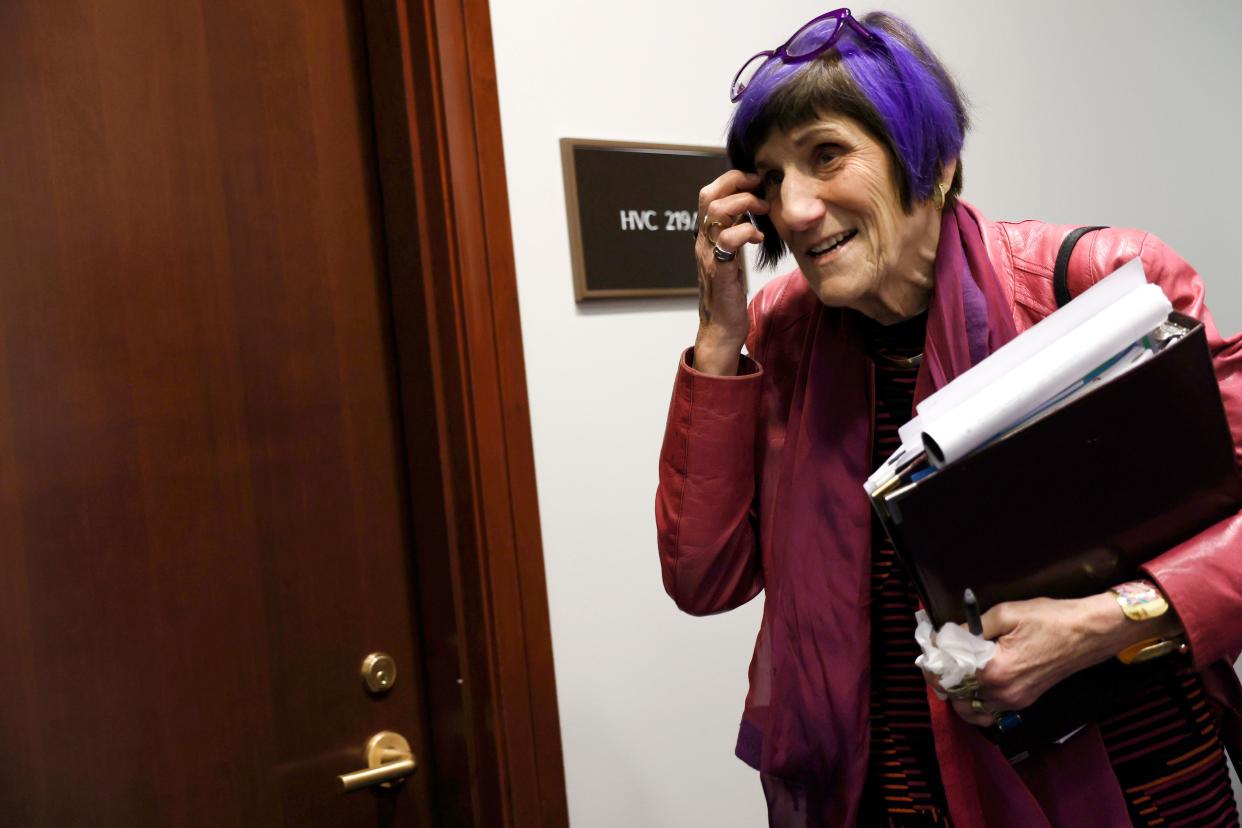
825, 154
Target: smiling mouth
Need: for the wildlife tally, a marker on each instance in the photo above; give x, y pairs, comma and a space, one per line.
833, 243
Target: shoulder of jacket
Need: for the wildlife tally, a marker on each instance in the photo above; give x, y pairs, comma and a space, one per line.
778, 305
1034, 245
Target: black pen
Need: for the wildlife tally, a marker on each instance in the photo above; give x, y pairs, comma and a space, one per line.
973, 622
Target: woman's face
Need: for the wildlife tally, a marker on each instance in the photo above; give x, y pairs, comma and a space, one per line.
834, 202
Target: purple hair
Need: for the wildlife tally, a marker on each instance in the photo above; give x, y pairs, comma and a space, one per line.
897, 89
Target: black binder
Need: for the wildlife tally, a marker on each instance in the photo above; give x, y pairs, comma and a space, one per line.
1070, 505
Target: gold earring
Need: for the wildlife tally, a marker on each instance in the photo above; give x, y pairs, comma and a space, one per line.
938, 195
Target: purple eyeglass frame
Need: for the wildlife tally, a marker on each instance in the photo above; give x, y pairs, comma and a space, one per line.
843, 18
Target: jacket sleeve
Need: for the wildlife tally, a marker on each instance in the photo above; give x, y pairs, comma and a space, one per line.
1202, 576
705, 514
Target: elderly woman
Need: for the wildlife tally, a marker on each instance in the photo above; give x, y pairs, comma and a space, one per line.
845, 143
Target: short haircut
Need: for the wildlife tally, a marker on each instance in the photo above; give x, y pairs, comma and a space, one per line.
898, 90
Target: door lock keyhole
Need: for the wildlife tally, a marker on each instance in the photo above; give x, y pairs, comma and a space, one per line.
379, 672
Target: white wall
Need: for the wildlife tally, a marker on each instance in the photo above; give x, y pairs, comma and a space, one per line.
1118, 113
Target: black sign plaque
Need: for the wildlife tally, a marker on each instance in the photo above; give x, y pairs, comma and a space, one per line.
631, 214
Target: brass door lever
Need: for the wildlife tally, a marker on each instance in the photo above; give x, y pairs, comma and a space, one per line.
388, 762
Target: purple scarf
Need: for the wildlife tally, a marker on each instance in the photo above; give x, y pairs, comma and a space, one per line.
814, 711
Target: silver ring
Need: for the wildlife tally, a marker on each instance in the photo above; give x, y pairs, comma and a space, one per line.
723, 255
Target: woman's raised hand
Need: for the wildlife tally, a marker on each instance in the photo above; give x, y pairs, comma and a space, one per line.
723, 321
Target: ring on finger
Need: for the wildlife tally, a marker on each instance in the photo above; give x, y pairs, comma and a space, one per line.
708, 232
707, 221
976, 704
703, 222
723, 255
964, 689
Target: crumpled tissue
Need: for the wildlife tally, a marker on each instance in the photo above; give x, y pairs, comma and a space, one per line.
953, 654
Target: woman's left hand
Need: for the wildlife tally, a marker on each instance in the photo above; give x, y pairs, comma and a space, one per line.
1042, 641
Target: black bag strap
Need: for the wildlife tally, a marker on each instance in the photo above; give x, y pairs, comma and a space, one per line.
1060, 273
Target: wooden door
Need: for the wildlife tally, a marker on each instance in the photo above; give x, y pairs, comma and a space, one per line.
204, 522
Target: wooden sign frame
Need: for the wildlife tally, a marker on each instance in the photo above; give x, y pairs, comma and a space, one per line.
583, 290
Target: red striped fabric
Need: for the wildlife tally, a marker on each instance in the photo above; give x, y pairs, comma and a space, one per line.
1167, 754
903, 786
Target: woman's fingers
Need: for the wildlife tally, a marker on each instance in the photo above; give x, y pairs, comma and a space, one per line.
733, 181
982, 718
727, 205
731, 209
972, 708
732, 238
1000, 620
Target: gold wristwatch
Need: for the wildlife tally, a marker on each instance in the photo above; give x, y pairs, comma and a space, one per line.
1141, 600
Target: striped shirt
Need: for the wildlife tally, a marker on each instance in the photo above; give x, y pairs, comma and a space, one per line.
903, 777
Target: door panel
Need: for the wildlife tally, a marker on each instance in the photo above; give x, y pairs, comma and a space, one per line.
203, 527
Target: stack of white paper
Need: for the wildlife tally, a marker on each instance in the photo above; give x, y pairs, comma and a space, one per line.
1038, 367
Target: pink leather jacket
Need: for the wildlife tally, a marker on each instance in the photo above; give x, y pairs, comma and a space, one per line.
722, 451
